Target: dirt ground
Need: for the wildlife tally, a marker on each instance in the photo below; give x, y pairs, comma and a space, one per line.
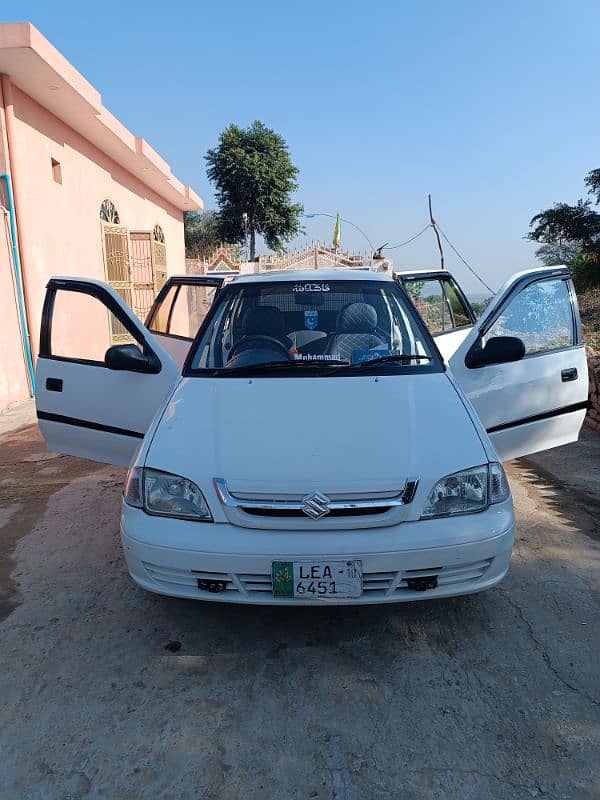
110, 692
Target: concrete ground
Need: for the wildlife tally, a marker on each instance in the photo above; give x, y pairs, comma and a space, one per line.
109, 692
576, 466
17, 416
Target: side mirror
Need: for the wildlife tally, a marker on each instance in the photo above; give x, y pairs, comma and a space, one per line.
498, 350
129, 357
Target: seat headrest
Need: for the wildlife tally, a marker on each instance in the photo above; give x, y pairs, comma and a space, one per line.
357, 318
263, 320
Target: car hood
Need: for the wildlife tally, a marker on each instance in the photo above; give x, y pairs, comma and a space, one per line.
335, 435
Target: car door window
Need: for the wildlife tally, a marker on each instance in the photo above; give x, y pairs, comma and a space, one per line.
183, 310
540, 315
430, 301
83, 328
460, 312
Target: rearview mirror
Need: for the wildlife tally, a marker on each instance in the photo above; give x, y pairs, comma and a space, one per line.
498, 350
129, 357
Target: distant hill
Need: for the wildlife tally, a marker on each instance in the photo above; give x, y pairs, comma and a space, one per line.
478, 297
479, 301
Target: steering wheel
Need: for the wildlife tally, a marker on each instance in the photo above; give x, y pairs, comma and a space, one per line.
255, 340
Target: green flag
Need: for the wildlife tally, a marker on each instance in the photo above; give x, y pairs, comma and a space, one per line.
337, 232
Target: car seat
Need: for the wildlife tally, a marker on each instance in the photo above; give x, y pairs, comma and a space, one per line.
355, 330
265, 321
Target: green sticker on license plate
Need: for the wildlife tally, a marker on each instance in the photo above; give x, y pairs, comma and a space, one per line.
283, 578
317, 580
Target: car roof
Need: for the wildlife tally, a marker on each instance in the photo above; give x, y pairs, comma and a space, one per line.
314, 275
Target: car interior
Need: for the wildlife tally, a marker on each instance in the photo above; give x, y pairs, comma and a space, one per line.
353, 327
284, 326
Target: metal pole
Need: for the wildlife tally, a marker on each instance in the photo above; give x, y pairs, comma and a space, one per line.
245, 221
437, 235
19, 281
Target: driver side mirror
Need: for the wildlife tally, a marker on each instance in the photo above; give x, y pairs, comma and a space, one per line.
130, 358
498, 350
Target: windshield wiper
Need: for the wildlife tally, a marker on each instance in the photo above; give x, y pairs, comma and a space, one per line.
276, 365
391, 357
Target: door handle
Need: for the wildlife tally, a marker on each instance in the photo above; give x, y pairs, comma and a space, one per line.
568, 374
54, 384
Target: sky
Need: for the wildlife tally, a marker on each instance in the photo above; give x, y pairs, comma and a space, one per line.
493, 108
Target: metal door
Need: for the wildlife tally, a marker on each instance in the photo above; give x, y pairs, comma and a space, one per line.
142, 272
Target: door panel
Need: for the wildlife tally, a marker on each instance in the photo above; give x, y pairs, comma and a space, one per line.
180, 309
84, 408
540, 401
449, 342
177, 348
98, 414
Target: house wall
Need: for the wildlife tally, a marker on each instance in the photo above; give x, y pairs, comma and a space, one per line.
13, 376
593, 415
59, 223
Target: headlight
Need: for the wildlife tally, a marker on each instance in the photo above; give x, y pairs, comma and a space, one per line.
165, 494
467, 491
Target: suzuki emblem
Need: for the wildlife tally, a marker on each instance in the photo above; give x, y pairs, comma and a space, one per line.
315, 505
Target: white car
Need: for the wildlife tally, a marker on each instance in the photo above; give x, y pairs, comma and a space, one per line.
298, 438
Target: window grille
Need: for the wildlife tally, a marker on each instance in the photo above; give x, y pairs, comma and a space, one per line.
109, 213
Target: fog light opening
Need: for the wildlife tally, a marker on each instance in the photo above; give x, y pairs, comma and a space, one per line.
211, 586
422, 584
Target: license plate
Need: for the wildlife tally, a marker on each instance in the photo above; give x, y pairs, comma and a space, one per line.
317, 580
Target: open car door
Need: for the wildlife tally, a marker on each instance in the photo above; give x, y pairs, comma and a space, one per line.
101, 376
442, 305
523, 365
180, 309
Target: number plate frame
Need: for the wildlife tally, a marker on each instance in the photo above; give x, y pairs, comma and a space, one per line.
317, 580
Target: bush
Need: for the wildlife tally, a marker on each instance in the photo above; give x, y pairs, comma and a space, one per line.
586, 273
589, 309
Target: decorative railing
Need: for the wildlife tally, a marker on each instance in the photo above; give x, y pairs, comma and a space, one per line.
315, 256
224, 257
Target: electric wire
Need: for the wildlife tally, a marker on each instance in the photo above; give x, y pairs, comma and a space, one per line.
465, 262
408, 241
311, 214
412, 239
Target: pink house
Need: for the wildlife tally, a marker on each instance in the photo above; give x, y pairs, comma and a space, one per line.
79, 195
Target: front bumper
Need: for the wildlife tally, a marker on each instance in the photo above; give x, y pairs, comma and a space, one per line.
467, 554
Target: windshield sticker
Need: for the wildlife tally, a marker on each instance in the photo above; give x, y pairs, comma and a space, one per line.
311, 319
311, 287
322, 357
358, 356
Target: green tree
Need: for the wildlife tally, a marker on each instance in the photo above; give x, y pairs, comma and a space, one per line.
592, 181
571, 234
253, 175
202, 233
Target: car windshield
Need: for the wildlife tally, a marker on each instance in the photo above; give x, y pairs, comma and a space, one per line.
311, 326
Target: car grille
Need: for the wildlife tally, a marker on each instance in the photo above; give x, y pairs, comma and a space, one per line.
375, 584
298, 514
315, 509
